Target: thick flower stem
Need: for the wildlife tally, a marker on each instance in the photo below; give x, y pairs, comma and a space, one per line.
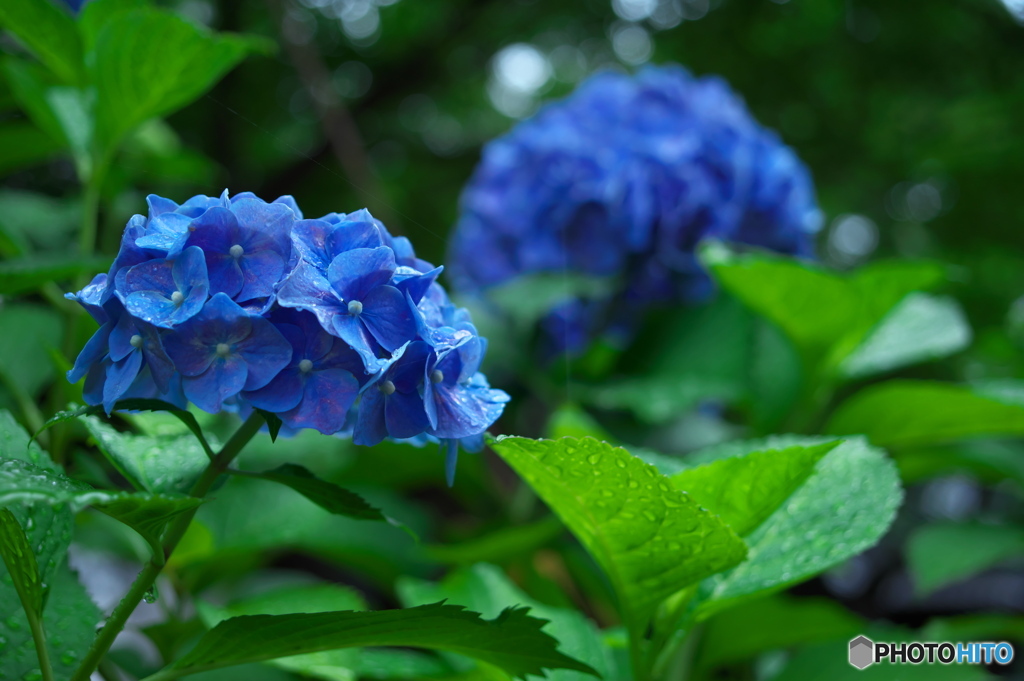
175, 531
35, 623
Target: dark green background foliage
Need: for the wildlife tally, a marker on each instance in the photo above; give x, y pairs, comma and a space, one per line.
769, 432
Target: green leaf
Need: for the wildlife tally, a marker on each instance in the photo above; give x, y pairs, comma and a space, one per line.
26, 484
155, 464
920, 328
485, 589
825, 314
69, 620
919, 413
513, 641
401, 664
650, 539
63, 112
332, 665
49, 32
138, 78
326, 495
273, 422
694, 355
95, 14
939, 555
842, 509
500, 544
135, 404
772, 623
23, 145
23, 355
48, 528
527, 299
21, 563
745, 490
31, 272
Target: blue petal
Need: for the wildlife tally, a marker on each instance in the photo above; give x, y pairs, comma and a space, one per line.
92, 354
325, 402
289, 200
465, 410
223, 378
166, 232
260, 271
404, 414
307, 289
121, 338
417, 286
371, 426
158, 205
282, 393
120, 376
353, 274
451, 458
388, 316
351, 330
266, 352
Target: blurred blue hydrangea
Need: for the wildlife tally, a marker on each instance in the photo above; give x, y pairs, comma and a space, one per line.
332, 324
623, 179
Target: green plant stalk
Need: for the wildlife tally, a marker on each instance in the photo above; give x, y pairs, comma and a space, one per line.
175, 531
35, 623
637, 655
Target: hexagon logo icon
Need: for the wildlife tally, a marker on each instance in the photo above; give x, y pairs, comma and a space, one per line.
862, 652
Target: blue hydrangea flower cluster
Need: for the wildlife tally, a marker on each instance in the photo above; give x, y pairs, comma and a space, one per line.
332, 323
622, 180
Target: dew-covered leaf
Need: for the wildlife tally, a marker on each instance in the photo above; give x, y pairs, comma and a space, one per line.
22, 483
745, 490
69, 620
512, 641
22, 571
650, 539
842, 509
154, 464
943, 554
919, 413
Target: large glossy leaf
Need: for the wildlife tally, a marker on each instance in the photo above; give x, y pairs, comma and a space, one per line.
842, 509
22, 570
745, 490
650, 539
138, 78
69, 620
825, 314
155, 464
22, 483
485, 589
49, 32
512, 641
919, 413
921, 327
939, 555
331, 665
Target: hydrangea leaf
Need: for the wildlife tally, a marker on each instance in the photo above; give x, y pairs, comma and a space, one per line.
48, 528
23, 355
843, 508
500, 544
23, 145
69, 620
527, 298
771, 623
512, 641
921, 327
745, 490
650, 539
29, 273
22, 570
331, 665
978, 547
485, 589
26, 484
697, 354
920, 413
49, 32
825, 314
138, 78
154, 464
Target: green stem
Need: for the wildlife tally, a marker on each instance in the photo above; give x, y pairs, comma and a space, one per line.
35, 623
175, 531
637, 658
